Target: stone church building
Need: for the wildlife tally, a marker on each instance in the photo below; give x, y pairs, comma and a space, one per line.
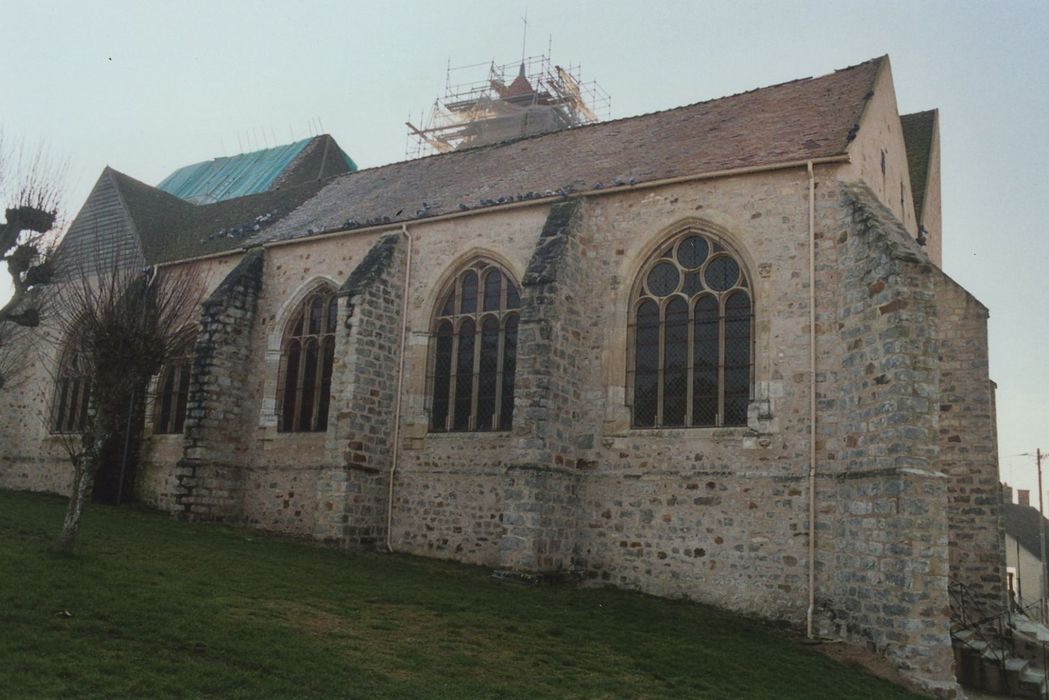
707, 352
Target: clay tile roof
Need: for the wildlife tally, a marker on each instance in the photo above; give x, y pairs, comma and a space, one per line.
917, 136
798, 120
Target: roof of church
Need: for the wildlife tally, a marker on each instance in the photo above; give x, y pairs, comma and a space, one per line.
170, 228
798, 120
803, 119
245, 174
917, 136
140, 222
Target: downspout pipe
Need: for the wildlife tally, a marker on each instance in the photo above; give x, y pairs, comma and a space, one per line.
395, 452
812, 402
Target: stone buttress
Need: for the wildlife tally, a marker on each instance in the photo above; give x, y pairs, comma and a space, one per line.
209, 477
883, 523
968, 452
352, 494
540, 490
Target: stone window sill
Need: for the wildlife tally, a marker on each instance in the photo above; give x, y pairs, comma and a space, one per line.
732, 433
489, 434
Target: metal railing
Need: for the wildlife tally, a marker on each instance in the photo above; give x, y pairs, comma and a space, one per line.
991, 629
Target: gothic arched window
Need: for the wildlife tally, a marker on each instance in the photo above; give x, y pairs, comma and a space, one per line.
692, 330
169, 409
474, 351
307, 352
72, 391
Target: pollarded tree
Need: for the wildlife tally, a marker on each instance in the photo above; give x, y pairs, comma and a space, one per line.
30, 189
122, 324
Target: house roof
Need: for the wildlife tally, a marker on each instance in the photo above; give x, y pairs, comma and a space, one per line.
798, 120
917, 136
251, 173
1021, 523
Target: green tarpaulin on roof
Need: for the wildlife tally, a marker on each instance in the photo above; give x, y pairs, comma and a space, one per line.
234, 176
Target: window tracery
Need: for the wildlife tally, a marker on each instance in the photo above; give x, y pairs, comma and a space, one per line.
307, 355
474, 351
72, 391
691, 328
169, 409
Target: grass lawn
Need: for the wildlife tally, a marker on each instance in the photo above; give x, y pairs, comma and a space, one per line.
158, 608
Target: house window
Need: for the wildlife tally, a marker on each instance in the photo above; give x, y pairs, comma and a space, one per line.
474, 351
307, 351
72, 392
691, 328
169, 411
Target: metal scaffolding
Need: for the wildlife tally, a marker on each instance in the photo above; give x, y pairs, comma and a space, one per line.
517, 99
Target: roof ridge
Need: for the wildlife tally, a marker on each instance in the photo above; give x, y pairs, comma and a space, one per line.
921, 113
308, 139
576, 129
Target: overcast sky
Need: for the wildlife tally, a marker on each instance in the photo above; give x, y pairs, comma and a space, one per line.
147, 87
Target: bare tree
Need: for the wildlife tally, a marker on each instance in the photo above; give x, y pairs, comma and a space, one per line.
122, 324
30, 191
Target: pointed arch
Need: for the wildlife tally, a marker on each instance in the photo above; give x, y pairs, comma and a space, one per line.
72, 390
307, 352
466, 260
172, 388
473, 348
691, 333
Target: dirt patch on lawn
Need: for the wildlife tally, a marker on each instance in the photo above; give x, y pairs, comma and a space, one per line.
864, 659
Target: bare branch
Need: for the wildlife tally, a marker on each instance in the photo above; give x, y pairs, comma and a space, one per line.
122, 323
31, 188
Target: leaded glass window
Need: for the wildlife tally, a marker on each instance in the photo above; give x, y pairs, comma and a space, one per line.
691, 330
474, 351
307, 354
72, 392
169, 408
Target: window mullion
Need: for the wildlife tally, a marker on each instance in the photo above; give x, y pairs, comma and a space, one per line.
176, 392
720, 420
167, 415
300, 382
318, 380
475, 385
449, 420
497, 414
690, 371
659, 364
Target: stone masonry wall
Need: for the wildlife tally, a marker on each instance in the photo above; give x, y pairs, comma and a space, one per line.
967, 449
210, 475
552, 356
888, 581
711, 514
717, 515
352, 495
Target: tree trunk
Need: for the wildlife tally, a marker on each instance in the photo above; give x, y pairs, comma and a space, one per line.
82, 473
85, 466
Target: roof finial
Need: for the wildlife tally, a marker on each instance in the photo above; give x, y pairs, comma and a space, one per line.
524, 39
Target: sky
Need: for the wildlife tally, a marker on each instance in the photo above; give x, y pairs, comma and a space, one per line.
149, 86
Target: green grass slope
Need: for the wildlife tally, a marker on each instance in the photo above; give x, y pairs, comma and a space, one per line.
151, 607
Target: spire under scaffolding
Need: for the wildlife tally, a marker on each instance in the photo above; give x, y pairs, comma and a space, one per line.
517, 99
